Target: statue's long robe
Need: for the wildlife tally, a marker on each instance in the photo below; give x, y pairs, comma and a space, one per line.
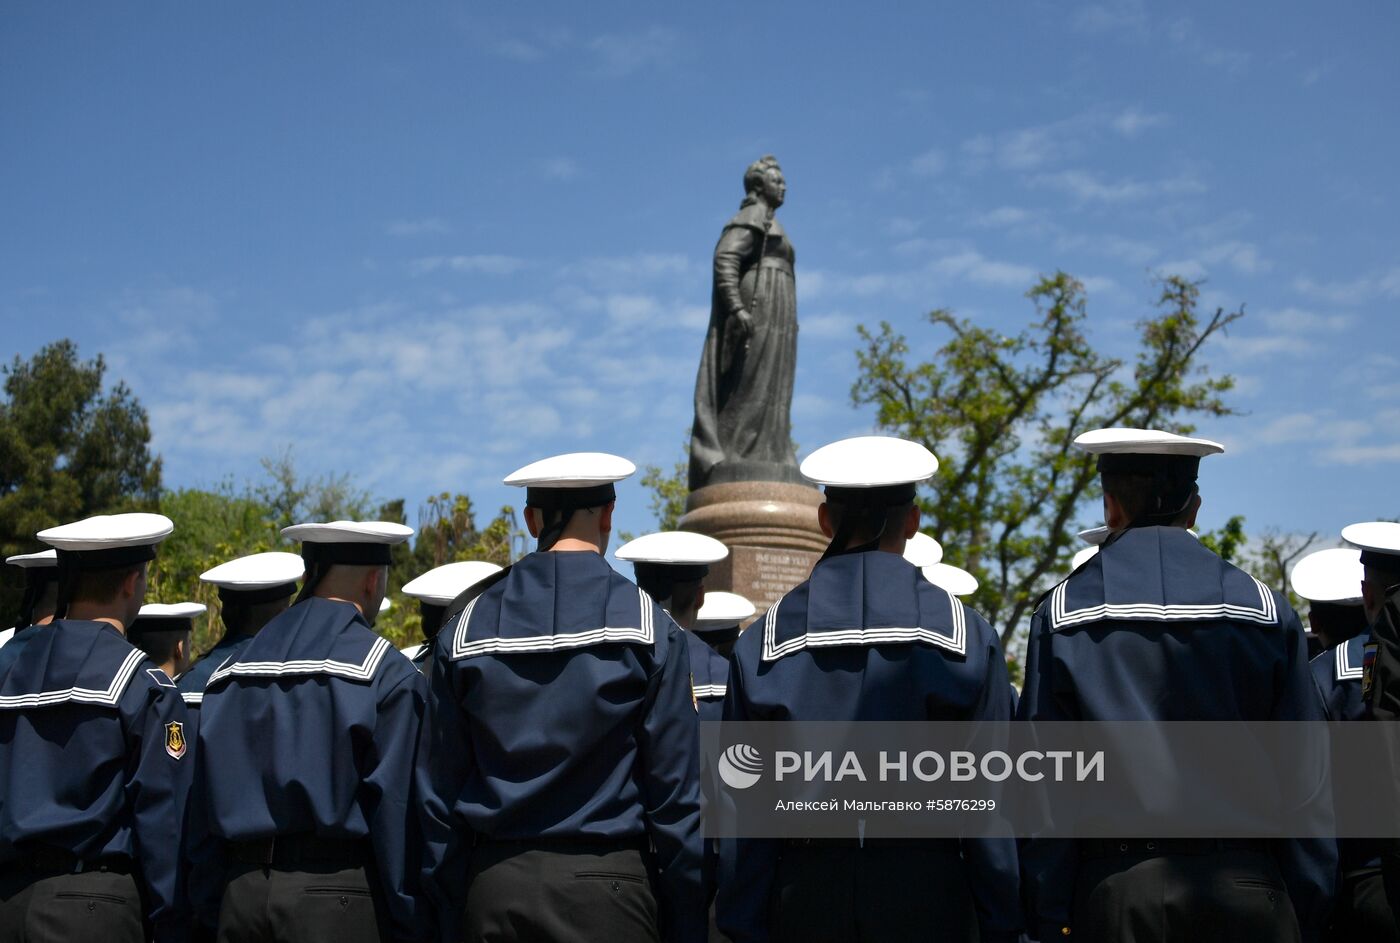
743, 393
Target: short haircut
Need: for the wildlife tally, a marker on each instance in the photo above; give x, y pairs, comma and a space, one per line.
244, 619
101, 586
684, 596
160, 646
1148, 499
868, 523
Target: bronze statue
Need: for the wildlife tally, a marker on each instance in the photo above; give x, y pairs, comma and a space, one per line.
743, 394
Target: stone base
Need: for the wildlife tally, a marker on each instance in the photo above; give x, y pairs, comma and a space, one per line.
770, 529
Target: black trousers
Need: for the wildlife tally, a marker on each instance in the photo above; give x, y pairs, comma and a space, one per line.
1362, 911
314, 904
524, 893
843, 893
65, 908
1224, 896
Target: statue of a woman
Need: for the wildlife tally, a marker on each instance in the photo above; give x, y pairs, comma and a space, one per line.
743, 394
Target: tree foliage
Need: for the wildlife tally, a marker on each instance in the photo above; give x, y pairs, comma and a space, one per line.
67, 450
1001, 412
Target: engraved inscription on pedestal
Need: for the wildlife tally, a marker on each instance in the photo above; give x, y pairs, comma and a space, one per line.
764, 575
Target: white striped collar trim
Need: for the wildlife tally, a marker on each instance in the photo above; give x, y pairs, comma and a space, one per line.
107, 698
461, 648
1061, 615
364, 671
1346, 671
831, 638
193, 698
706, 692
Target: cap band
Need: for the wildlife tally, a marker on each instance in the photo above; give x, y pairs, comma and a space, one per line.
109, 559
144, 625
569, 499
229, 596
1389, 562
36, 580
347, 554
883, 497
1137, 463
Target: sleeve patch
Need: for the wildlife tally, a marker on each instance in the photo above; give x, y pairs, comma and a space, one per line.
175, 743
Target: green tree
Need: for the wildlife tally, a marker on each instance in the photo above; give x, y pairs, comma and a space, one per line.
1001, 412
211, 527
68, 450
1227, 540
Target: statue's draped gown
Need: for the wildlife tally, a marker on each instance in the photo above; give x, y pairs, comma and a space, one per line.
743, 394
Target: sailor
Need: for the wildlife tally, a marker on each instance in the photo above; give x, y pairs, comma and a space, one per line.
313, 732
718, 624
1379, 544
94, 762
252, 590
671, 567
1156, 627
867, 638
1094, 537
564, 767
434, 591
40, 590
162, 631
1330, 581
1332, 584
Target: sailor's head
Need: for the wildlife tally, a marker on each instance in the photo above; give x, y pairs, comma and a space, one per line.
1379, 543
570, 498
869, 483
1148, 476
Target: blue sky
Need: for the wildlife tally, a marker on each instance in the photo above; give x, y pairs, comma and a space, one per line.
427, 243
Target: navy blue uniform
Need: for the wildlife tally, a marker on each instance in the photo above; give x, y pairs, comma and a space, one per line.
562, 711
867, 638
710, 673
1157, 627
313, 729
1362, 910
94, 761
1337, 674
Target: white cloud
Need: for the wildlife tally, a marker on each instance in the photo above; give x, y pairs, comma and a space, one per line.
1243, 257
618, 55
1373, 287
418, 227
975, 267
1126, 16
559, 168
477, 264
828, 326
930, 163
1088, 187
1133, 121
1002, 216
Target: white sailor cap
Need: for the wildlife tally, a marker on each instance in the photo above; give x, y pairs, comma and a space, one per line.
165, 617
1379, 542
664, 559
954, 579
571, 481
354, 543
1329, 576
108, 540
1121, 441
722, 611
922, 550
441, 585
870, 470
258, 577
1094, 537
43, 560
